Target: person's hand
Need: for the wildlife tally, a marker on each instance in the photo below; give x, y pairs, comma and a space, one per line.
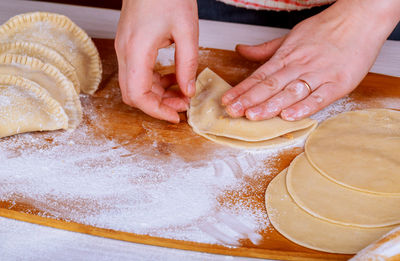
321, 60
144, 27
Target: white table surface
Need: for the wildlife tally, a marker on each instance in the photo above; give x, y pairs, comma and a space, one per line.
25, 241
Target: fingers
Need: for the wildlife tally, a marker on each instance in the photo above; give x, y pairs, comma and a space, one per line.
186, 59
262, 91
320, 98
176, 103
261, 52
140, 59
172, 98
293, 92
151, 104
258, 76
138, 88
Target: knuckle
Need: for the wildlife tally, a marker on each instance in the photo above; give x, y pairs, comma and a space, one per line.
191, 63
295, 89
117, 44
246, 101
129, 100
317, 98
270, 83
258, 76
283, 55
298, 89
343, 77
272, 107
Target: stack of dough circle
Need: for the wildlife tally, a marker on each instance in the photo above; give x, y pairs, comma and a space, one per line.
306, 230
207, 117
360, 150
347, 182
46, 51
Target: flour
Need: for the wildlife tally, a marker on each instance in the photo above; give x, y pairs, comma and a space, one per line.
96, 181
341, 105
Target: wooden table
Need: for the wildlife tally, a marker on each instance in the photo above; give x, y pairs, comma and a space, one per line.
23, 237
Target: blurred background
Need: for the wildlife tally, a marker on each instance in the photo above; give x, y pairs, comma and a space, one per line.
217, 11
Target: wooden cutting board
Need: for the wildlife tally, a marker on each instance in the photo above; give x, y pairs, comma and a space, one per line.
119, 122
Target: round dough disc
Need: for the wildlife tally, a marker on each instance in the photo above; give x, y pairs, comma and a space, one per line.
308, 231
359, 149
328, 200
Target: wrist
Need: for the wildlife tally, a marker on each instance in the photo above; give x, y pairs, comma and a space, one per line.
378, 16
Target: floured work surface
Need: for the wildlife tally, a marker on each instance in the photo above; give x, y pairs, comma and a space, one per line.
127, 176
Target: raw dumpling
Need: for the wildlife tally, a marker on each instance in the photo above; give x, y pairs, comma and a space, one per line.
61, 34
49, 78
26, 107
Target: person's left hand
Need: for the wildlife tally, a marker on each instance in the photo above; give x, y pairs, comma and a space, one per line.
330, 52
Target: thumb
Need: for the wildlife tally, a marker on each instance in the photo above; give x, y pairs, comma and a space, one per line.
186, 59
260, 52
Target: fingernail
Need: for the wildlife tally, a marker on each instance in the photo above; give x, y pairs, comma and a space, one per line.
191, 89
253, 113
236, 106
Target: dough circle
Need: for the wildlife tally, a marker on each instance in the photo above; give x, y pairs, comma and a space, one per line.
49, 78
330, 201
308, 231
25, 107
359, 149
61, 34
207, 117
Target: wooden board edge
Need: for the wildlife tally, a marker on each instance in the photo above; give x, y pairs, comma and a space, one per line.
164, 242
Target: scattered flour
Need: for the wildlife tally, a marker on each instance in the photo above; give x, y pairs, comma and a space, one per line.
94, 180
344, 104
97, 181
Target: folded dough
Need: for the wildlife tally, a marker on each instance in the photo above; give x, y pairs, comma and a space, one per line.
359, 149
208, 118
61, 34
325, 199
25, 107
281, 141
44, 54
49, 78
306, 230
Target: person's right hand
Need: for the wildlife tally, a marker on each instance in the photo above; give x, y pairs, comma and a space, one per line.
144, 27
